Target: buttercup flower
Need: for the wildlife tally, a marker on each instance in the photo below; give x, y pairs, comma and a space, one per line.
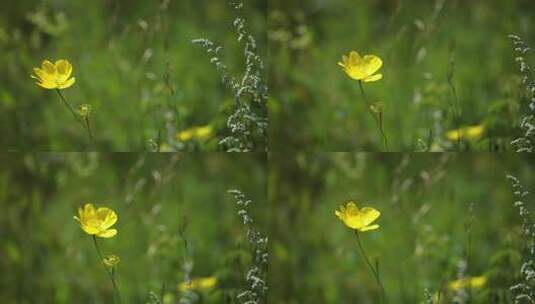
111, 260
54, 75
358, 219
361, 68
84, 110
97, 221
471, 133
198, 284
472, 283
202, 132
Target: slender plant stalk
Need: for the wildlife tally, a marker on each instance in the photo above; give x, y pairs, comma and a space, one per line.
374, 270
85, 126
111, 273
378, 118
88, 125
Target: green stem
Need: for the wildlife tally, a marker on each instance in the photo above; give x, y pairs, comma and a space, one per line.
382, 129
378, 118
111, 274
68, 105
88, 124
374, 271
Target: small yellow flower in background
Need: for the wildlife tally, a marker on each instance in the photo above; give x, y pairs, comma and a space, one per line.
470, 132
358, 219
165, 147
378, 107
111, 260
97, 221
361, 68
54, 75
84, 110
472, 283
201, 284
199, 133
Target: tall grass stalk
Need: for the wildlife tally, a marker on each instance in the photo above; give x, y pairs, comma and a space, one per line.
256, 278
524, 290
248, 123
526, 142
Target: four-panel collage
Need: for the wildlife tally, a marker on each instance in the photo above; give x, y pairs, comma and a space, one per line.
267, 151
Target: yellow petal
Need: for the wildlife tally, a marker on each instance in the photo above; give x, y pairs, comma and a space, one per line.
47, 85
107, 233
373, 78
454, 135
368, 228
64, 69
345, 60
354, 58
48, 67
41, 75
88, 212
372, 64
67, 84
475, 132
369, 215
107, 216
89, 229
203, 132
351, 208
478, 282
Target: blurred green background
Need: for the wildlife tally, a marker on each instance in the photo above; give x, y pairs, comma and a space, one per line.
423, 236
315, 106
46, 257
133, 62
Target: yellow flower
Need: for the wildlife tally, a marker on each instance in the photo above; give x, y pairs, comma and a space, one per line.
200, 133
472, 283
54, 75
471, 132
358, 219
97, 221
111, 260
361, 68
84, 110
198, 284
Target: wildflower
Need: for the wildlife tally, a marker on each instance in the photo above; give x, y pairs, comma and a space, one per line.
97, 221
111, 260
377, 107
201, 284
358, 219
472, 283
199, 133
361, 68
470, 132
84, 110
54, 75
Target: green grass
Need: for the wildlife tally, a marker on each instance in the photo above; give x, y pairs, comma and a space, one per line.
134, 62
424, 233
47, 258
315, 106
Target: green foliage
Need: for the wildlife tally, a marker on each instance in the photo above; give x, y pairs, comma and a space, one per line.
163, 201
446, 64
134, 64
443, 217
